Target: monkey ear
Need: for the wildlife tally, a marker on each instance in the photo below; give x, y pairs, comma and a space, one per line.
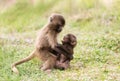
51, 18
73, 43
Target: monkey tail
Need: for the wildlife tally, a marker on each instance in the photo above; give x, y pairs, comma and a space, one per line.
13, 67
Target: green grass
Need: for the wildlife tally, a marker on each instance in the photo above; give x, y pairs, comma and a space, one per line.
97, 27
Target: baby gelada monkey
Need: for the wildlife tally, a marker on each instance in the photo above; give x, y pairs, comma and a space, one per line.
65, 51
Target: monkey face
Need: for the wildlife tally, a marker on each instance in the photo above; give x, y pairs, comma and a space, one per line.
70, 39
58, 22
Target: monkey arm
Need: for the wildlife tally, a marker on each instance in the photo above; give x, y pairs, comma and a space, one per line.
60, 49
54, 51
67, 52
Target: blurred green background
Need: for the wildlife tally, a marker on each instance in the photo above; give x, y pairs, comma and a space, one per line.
96, 24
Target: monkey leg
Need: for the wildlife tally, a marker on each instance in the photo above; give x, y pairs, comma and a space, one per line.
49, 63
62, 65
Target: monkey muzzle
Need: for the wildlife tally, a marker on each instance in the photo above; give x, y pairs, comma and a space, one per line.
58, 28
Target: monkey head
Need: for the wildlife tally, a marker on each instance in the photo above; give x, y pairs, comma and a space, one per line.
57, 21
70, 39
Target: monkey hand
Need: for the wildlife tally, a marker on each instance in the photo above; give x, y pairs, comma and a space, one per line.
58, 45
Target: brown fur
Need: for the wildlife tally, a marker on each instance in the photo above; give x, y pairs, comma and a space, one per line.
65, 51
47, 38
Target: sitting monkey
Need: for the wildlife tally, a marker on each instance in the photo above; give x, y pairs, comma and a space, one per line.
65, 51
47, 38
